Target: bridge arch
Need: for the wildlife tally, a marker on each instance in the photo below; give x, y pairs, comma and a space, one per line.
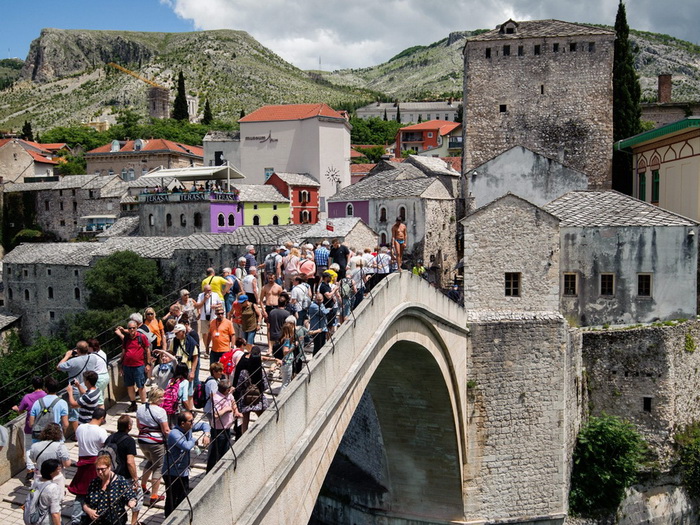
283, 460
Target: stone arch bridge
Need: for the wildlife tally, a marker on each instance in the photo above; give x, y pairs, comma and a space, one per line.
420, 412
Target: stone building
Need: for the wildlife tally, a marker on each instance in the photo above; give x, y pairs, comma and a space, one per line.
511, 257
221, 147
133, 158
665, 111
666, 164
351, 231
423, 191
624, 261
545, 85
525, 173
412, 111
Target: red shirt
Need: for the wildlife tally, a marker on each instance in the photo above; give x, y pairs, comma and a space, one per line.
135, 350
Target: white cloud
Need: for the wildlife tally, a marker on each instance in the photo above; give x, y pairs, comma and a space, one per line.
361, 33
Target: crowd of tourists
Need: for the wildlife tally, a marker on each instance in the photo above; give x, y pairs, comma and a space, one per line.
255, 323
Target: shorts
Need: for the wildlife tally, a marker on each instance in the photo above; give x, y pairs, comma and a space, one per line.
204, 326
269, 308
134, 375
102, 382
154, 454
400, 241
73, 414
320, 270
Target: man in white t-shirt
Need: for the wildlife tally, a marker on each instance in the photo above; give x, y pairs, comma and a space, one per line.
207, 302
91, 438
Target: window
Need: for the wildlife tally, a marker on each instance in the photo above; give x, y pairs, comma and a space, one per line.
76, 292
151, 221
9, 294
269, 172
256, 220
75, 273
75, 206
644, 285
607, 284
48, 271
510, 30
305, 216
430, 133
9, 270
25, 272
382, 214
52, 315
555, 48
503, 108
538, 49
512, 284
402, 213
642, 186
91, 194
60, 205
655, 186
197, 220
275, 220
572, 47
168, 220
49, 292
221, 220
506, 51
646, 404
521, 51
62, 222
349, 210
447, 117
255, 206
183, 220
26, 295
73, 192
488, 52
382, 239
231, 219
570, 284
591, 47
274, 206
46, 205
542, 89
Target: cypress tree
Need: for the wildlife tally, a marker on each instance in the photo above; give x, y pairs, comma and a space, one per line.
207, 117
385, 117
627, 94
242, 113
27, 133
180, 111
398, 114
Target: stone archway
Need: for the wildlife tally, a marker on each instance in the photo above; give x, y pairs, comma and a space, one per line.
399, 457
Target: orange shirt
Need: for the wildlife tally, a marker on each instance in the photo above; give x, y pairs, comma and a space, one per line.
156, 328
221, 335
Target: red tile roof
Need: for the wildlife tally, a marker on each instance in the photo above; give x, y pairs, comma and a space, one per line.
357, 169
40, 158
455, 162
291, 112
354, 154
153, 145
444, 126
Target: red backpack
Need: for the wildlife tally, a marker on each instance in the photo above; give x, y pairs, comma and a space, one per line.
170, 402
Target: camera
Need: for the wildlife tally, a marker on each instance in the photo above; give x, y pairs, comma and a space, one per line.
207, 317
74, 352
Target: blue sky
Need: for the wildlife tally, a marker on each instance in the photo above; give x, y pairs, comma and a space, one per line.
339, 33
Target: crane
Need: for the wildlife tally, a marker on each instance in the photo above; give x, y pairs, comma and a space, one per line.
135, 75
158, 96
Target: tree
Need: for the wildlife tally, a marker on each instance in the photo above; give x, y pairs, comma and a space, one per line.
385, 116
627, 112
27, 133
398, 113
242, 113
207, 117
373, 154
180, 111
122, 278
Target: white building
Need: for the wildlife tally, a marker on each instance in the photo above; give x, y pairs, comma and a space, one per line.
297, 138
412, 111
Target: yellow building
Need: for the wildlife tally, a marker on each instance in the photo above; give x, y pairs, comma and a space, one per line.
263, 205
666, 164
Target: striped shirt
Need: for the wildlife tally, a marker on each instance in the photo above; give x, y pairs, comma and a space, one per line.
149, 417
87, 403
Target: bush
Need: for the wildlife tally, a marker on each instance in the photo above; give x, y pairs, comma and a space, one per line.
91, 323
689, 442
122, 278
609, 453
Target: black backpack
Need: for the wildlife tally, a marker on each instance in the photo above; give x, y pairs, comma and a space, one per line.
200, 393
111, 449
41, 421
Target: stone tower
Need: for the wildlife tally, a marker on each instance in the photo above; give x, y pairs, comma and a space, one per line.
545, 85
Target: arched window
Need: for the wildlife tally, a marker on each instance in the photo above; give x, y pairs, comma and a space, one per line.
76, 291
168, 220
402, 213
26, 295
50, 292
197, 220
151, 222
305, 216
231, 219
382, 214
183, 220
256, 220
382, 239
275, 220
349, 210
304, 196
221, 220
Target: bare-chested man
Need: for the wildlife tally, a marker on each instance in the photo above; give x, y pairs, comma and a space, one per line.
270, 299
399, 240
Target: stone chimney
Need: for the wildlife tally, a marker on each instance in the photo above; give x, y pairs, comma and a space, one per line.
664, 93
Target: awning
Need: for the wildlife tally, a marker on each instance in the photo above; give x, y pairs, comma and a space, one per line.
197, 173
99, 217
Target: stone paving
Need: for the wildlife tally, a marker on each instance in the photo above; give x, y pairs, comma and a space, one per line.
13, 493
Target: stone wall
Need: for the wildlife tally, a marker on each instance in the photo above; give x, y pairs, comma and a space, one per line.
510, 235
556, 104
659, 364
523, 413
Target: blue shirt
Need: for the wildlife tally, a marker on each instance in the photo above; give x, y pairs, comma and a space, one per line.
177, 456
59, 410
317, 317
321, 256
250, 261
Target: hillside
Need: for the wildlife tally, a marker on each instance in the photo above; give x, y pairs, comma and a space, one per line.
424, 72
65, 78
